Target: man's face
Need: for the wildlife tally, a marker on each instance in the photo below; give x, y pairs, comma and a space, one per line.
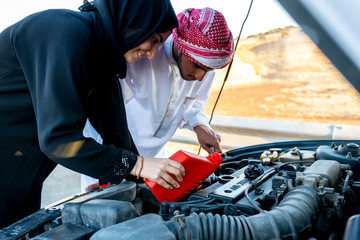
191, 71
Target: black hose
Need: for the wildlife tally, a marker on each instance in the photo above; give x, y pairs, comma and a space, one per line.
300, 156
293, 216
168, 209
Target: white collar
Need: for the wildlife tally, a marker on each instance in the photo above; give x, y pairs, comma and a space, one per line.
168, 46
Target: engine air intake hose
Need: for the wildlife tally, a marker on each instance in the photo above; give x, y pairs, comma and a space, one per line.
292, 216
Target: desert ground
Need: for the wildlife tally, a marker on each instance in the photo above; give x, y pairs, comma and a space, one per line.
285, 78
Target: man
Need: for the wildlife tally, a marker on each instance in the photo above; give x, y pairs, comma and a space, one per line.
157, 89
171, 90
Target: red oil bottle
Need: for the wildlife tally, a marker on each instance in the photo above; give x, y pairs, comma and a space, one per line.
197, 169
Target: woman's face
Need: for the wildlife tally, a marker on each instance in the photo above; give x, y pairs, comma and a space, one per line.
148, 48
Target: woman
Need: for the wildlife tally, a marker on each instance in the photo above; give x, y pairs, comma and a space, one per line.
58, 68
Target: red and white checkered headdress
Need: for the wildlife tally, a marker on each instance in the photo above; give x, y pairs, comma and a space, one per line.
204, 37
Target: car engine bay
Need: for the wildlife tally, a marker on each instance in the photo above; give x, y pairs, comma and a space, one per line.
284, 190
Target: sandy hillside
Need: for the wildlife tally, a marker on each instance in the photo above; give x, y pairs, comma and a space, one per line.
285, 76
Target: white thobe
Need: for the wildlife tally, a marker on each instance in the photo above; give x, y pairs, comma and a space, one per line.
158, 101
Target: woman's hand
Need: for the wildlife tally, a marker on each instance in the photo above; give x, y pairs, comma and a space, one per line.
159, 170
93, 186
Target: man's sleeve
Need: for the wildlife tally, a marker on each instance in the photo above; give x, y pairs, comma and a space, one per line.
195, 114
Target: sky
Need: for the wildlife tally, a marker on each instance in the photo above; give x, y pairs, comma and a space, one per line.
264, 14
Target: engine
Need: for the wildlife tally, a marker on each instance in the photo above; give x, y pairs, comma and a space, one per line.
271, 191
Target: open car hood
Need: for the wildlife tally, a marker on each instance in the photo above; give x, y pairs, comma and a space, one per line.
333, 27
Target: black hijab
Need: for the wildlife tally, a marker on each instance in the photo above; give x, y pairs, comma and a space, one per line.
128, 23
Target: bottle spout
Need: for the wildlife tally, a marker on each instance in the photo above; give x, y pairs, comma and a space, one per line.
215, 157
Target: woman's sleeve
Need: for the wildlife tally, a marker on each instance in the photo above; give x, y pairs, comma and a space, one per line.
53, 52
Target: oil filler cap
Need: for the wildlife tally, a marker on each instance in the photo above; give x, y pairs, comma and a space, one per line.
254, 171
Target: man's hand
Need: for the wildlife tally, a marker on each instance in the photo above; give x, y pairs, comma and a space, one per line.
208, 139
